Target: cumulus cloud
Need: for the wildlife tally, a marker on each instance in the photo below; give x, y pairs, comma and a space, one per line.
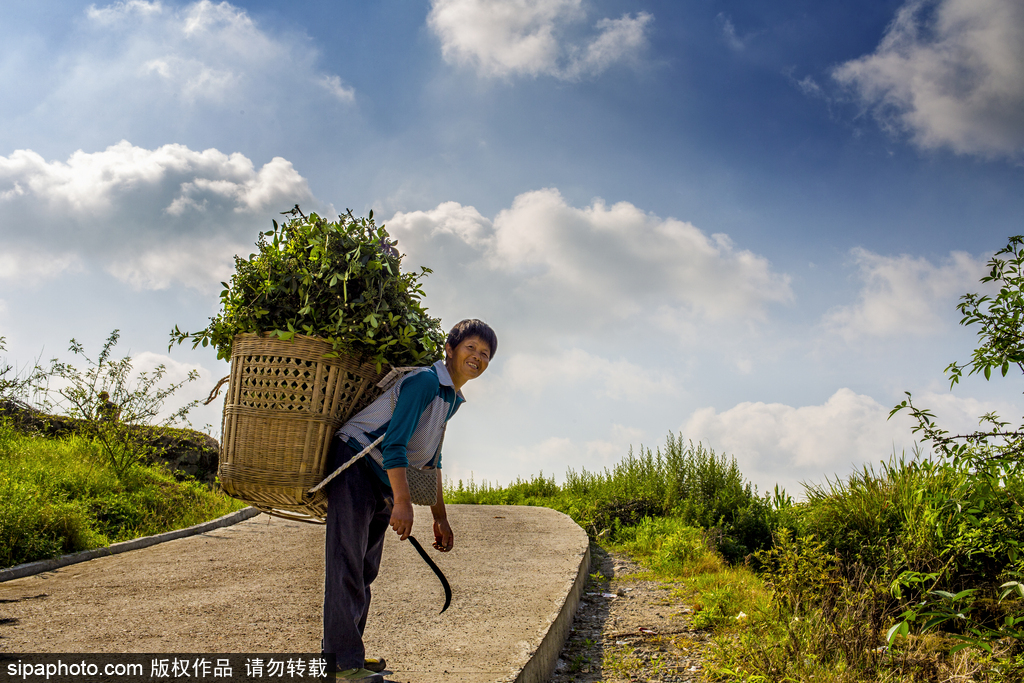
166, 63
151, 217
117, 12
904, 295
333, 85
533, 37
585, 268
777, 443
951, 73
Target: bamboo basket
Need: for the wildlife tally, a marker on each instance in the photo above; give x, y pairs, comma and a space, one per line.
285, 402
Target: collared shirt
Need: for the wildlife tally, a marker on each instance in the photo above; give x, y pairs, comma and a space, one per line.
413, 413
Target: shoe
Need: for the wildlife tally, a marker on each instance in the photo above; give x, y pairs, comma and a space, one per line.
374, 664
361, 675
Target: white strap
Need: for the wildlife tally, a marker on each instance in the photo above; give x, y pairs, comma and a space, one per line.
390, 378
385, 383
348, 464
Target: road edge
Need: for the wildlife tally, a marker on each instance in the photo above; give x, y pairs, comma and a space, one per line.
541, 664
29, 568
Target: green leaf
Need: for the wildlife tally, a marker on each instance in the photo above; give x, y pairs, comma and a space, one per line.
902, 629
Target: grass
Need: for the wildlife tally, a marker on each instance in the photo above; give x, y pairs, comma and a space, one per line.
682, 480
61, 496
805, 591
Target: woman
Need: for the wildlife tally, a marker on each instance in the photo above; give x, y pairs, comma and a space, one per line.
373, 494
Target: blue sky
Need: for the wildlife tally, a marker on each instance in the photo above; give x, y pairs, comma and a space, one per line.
747, 222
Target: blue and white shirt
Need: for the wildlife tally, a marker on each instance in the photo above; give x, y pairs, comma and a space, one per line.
414, 413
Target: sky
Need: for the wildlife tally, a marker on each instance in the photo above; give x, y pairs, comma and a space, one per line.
745, 223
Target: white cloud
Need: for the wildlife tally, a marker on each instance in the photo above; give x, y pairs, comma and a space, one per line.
117, 12
94, 182
729, 32
181, 263
904, 295
528, 37
169, 65
333, 85
621, 379
28, 267
174, 371
777, 443
151, 217
847, 428
555, 266
951, 72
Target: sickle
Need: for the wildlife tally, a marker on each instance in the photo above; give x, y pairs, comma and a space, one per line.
437, 570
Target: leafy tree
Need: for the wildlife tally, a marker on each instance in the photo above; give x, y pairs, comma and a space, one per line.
984, 512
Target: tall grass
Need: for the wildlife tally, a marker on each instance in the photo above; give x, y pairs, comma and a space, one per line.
61, 496
682, 480
885, 519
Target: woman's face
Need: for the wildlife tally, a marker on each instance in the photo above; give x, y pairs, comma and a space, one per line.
468, 360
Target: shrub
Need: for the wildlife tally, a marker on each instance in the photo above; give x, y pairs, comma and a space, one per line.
984, 506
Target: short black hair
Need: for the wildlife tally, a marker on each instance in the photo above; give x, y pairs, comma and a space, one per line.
473, 328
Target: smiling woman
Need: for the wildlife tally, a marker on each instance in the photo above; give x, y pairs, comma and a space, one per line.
404, 428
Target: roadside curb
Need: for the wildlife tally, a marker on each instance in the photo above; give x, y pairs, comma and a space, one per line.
30, 568
542, 663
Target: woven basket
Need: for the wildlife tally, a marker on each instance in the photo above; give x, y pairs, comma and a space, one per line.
285, 402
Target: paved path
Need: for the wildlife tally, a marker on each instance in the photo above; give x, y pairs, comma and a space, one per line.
257, 586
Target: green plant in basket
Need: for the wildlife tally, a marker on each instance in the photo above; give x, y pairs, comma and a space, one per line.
338, 280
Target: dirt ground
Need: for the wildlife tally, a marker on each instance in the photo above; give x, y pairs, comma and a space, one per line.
629, 629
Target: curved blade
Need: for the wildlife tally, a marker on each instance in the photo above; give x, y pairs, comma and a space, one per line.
437, 570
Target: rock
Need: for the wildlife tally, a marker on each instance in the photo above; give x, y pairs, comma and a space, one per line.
30, 420
186, 450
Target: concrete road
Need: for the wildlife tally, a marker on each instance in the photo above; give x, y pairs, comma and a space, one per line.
257, 586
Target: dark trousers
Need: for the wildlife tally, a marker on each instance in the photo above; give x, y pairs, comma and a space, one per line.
358, 514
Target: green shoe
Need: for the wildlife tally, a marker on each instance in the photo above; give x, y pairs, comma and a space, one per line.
374, 664
362, 675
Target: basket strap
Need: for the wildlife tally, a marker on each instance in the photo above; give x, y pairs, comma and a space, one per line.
389, 379
351, 461
393, 375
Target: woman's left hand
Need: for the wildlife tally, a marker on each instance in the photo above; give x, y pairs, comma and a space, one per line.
444, 539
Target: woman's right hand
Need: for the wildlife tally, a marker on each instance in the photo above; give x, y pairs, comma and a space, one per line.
402, 518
